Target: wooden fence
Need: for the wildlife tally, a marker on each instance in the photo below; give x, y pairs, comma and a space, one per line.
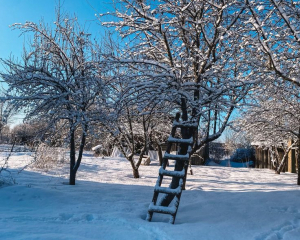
263, 159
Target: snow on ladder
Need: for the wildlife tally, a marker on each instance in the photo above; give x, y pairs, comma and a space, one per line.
169, 203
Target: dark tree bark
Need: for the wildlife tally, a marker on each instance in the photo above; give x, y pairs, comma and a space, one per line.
206, 152
72, 156
74, 165
298, 158
135, 170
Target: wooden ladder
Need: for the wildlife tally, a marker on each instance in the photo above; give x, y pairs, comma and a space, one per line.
182, 155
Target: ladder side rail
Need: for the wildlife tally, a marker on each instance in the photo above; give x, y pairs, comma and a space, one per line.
188, 130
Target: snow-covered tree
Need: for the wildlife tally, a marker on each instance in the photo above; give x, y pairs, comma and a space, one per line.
273, 35
58, 79
189, 53
24, 134
160, 131
273, 119
6, 113
133, 130
235, 140
274, 32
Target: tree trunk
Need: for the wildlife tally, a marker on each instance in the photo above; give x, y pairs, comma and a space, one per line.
206, 152
135, 172
298, 159
72, 177
159, 151
160, 155
80, 153
282, 165
184, 114
72, 156
74, 165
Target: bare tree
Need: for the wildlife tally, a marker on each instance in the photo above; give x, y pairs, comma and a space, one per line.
185, 53
6, 114
133, 130
59, 78
189, 54
274, 35
236, 139
273, 118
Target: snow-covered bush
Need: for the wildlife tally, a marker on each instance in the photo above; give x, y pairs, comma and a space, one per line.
47, 157
99, 150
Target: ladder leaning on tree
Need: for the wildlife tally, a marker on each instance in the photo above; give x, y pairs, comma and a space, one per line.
169, 202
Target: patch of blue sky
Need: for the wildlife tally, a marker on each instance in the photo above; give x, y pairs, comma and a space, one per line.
17, 11
20, 11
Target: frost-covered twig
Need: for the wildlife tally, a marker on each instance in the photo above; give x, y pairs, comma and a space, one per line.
7, 179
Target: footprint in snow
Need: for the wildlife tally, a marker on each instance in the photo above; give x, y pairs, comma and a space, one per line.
65, 216
277, 233
89, 217
291, 210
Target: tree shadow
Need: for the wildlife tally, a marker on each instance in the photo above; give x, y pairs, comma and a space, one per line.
39, 199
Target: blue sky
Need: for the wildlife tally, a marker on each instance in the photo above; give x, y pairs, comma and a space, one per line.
20, 11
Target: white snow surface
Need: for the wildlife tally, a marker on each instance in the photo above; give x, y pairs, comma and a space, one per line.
108, 203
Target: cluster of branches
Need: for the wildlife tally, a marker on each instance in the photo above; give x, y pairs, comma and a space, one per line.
272, 117
58, 79
200, 57
63, 84
134, 127
187, 53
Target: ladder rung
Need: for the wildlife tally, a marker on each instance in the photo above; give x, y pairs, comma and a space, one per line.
161, 209
179, 140
183, 125
166, 190
173, 195
176, 157
164, 172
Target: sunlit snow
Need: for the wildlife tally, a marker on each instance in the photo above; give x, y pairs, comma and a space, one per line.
108, 203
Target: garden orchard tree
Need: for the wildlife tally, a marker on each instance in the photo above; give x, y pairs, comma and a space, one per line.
58, 79
273, 118
188, 53
131, 128
273, 28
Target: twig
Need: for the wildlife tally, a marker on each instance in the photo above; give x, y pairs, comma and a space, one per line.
7, 158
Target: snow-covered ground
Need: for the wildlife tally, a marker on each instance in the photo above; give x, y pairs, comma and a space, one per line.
107, 203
